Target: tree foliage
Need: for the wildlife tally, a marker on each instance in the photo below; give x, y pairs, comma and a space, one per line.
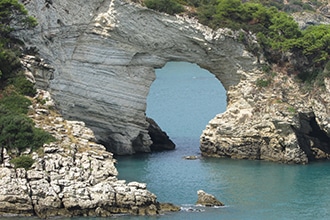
15, 104
12, 13
168, 6
19, 133
24, 161
17, 130
277, 31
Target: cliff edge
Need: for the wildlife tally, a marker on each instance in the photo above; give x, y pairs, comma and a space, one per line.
102, 56
72, 176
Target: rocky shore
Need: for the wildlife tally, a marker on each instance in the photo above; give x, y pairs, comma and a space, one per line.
73, 176
279, 122
97, 60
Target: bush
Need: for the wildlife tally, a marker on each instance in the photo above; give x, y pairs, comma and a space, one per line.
11, 11
263, 83
18, 133
15, 104
168, 6
23, 162
24, 86
9, 63
41, 137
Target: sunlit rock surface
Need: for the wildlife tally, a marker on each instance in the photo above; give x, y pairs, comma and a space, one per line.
73, 176
103, 55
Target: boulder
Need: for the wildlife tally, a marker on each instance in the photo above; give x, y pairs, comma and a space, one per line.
206, 199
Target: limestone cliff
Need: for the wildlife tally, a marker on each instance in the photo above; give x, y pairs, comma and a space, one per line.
73, 176
102, 56
276, 122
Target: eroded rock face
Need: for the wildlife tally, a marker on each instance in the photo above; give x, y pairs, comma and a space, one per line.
277, 122
160, 140
103, 55
73, 176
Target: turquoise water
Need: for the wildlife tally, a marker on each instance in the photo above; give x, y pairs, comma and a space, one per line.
182, 100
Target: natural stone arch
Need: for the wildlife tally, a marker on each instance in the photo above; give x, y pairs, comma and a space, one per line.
104, 59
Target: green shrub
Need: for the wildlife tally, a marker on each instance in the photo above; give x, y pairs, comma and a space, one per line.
277, 32
24, 86
18, 133
9, 63
12, 11
41, 137
15, 104
168, 6
263, 82
292, 110
23, 162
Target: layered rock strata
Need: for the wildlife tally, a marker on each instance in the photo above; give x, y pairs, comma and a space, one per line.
73, 176
275, 122
103, 54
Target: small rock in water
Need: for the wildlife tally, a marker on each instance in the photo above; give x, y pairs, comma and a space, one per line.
206, 199
190, 157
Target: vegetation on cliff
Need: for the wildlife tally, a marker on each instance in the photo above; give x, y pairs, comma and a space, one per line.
17, 130
278, 34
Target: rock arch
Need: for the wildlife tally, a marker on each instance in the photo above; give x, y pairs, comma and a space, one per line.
104, 55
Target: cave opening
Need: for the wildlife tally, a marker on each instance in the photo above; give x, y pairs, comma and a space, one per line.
183, 99
311, 137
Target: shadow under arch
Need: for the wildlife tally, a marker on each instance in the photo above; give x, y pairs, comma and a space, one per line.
184, 98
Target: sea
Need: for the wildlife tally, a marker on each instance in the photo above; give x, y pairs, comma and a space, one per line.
182, 100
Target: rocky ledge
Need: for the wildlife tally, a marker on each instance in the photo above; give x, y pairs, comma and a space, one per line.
270, 117
73, 176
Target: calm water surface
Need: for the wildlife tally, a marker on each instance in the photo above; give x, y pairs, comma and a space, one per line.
182, 100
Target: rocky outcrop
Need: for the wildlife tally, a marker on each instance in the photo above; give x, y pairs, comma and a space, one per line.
160, 140
206, 199
73, 176
102, 56
305, 19
274, 121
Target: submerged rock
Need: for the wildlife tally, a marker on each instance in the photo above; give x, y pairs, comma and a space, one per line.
193, 157
206, 199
